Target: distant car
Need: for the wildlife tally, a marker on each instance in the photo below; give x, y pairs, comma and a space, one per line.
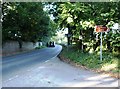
51, 44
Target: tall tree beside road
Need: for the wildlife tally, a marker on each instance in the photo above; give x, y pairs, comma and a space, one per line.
81, 17
25, 21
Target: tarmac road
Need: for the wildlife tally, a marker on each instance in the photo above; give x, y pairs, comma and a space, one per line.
42, 68
11, 64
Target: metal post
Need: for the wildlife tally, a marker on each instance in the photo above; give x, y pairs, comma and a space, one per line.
101, 48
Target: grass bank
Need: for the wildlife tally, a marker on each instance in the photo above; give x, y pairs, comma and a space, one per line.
40, 47
92, 61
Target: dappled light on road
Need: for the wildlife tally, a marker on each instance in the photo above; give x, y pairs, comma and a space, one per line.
55, 73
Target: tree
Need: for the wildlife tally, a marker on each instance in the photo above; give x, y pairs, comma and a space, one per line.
81, 17
25, 21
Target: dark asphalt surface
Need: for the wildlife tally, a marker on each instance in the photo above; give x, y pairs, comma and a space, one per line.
24, 60
41, 68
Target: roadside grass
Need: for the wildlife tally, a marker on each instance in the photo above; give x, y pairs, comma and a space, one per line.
92, 60
40, 47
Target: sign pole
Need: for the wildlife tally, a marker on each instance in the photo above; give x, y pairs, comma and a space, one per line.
101, 29
101, 48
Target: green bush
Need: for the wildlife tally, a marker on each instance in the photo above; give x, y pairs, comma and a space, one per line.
39, 47
92, 60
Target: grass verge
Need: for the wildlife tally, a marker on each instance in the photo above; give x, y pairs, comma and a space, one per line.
40, 47
92, 61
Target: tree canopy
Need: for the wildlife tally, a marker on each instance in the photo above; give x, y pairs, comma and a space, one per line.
81, 17
29, 22
26, 21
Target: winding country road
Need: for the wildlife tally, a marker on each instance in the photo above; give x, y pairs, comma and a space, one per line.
19, 62
42, 68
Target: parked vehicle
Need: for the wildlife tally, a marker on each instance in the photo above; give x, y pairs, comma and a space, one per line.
51, 44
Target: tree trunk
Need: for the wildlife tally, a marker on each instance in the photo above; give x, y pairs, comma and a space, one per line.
68, 40
96, 45
81, 39
69, 33
108, 46
20, 43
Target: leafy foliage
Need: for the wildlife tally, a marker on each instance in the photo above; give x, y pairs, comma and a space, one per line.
26, 21
81, 17
92, 61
